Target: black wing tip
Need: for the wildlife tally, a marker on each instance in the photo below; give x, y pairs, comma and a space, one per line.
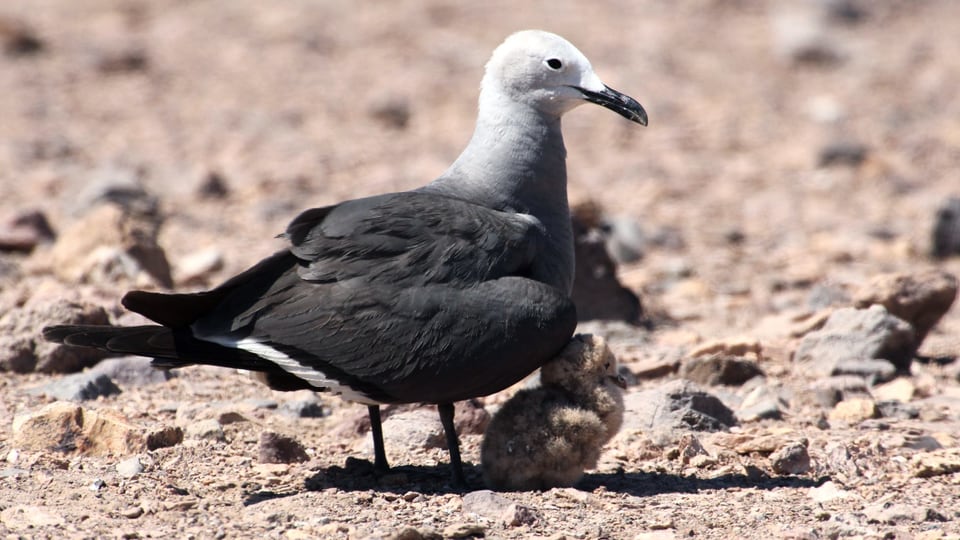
60, 333
55, 334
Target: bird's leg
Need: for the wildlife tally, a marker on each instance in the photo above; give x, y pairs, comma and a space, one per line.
380, 464
453, 443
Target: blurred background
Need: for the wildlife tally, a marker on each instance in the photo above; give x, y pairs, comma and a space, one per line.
794, 147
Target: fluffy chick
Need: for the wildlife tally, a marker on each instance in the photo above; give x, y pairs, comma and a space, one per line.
547, 436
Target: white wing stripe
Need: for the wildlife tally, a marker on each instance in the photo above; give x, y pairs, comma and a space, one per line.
312, 375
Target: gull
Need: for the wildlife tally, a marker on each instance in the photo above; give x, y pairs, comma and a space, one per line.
455, 290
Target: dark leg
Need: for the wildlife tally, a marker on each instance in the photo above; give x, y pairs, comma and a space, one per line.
453, 443
380, 464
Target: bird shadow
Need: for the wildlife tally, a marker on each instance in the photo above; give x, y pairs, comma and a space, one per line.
359, 475
648, 484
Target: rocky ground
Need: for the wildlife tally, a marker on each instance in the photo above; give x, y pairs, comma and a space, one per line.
785, 220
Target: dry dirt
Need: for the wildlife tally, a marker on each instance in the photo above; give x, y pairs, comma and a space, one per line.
298, 103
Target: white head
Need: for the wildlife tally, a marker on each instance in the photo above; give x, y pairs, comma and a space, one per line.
548, 73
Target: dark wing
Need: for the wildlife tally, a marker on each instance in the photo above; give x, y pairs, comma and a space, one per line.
402, 297
411, 238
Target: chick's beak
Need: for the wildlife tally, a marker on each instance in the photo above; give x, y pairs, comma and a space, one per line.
617, 102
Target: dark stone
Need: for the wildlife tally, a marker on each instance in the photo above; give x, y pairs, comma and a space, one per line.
305, 408
79, 387
36, 221
676, 405
847, 11
277, 448
845, 153
18, 38
393, 113
16, 354
597, 292
25, 231
164, 437
946, 230
125, 60
213, 186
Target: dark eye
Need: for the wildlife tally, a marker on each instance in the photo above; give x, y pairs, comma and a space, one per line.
555, 63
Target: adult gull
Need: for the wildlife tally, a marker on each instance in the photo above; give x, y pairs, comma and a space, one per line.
452, 291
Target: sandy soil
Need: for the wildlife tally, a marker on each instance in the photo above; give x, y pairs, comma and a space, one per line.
297, 104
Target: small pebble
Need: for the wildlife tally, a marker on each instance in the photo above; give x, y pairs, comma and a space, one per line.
132, 512
129, 468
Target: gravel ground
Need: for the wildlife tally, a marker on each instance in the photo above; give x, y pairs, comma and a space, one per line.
796, 151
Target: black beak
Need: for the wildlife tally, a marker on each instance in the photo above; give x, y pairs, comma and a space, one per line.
618, 379
617, 102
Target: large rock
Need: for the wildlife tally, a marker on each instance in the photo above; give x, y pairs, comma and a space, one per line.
67, 427
920, 298
23, 350
110, 244
792, 458
418, 428
855, 334
676, 406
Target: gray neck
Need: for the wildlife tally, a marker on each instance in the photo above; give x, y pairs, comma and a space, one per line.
516, 161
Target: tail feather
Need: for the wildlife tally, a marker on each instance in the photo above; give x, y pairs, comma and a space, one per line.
170, 348
155, 341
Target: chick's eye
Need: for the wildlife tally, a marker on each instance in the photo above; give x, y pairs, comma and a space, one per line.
554, 63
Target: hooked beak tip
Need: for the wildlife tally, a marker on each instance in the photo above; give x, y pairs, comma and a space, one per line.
617, 102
